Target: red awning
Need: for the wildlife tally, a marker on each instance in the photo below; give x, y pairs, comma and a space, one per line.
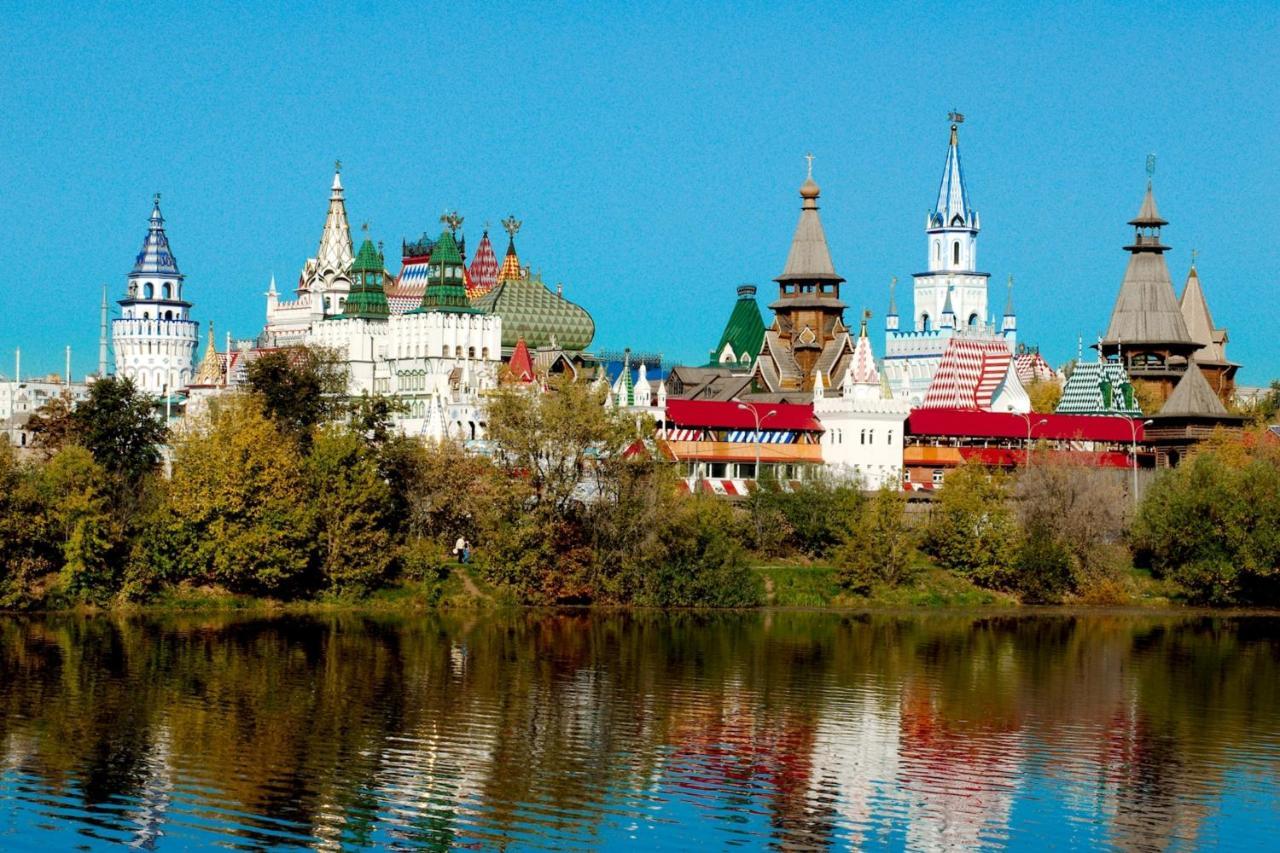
725, 414
961, 423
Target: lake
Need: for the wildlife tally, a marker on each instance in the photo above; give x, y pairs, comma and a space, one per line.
645, 730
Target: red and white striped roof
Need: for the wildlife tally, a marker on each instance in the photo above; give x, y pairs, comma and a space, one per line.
971, 372
1032, 367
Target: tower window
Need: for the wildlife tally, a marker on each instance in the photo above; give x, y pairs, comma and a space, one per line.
955, 252
925, 322
147, 290
164, 290
937, 250
973, 320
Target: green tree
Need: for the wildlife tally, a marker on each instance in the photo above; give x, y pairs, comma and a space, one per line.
27, 550
1213, 525
299, 388
52, 426
972, 530
879, 547
352, 507
119, 426
76, 493
238, 506
696, 559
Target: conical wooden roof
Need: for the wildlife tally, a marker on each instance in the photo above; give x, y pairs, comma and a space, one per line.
1195, 312
809, 258
1192, 397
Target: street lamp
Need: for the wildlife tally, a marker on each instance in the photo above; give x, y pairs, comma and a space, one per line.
755, 413
1026, 416
1133, 451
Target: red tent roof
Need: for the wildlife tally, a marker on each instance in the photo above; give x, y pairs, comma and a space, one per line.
725, 414
974, 424
521, 364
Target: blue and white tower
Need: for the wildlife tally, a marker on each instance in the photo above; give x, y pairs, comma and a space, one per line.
950, 297
154, 338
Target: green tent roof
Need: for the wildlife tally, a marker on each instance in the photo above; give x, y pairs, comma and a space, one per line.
367, 300
530, 311
446, 285
745, 329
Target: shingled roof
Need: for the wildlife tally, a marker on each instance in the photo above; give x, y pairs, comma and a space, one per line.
1192, 397
809, 258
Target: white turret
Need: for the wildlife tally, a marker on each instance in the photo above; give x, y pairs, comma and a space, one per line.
155, 339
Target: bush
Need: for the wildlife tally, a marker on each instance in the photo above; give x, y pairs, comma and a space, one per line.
700, 561
879, 548
813, 517
1043, 565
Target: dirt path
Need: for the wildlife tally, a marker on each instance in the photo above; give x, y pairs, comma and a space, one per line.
470, 585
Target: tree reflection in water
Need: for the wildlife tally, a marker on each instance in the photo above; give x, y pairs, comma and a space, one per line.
576, 729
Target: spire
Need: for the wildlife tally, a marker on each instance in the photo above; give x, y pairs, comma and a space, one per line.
1195, 313
1146, 310
952, 209
210, 370
1008, 304
893, 303
155, 258
948, 313
335, 241
809, 258
102, 337
511, 269
484, 268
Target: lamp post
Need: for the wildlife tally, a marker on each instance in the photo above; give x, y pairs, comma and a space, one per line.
1133, 452
755, 413
1026, 416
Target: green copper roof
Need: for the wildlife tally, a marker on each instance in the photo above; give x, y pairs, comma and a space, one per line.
367, 259
745, 330
367, 300
529, 310
446, 249
446, 286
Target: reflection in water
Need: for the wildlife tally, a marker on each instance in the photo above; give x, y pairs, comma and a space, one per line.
554, 730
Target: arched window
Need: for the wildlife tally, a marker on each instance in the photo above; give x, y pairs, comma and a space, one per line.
168, 315
924, 322
147, 290
955, 252
457, 352
164, 291
937, 250
444, 351
973, 320
471, 352
862, 437
146, 315
484, 353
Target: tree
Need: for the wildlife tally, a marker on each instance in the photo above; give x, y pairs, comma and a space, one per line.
299, 388
813, 517
450, 493
1079, 509
1147, 395
76, 492
52, 426
238, 507
1213, 525
27, 552
972, 529
879, 547
119, 426
352, 506
1044, 394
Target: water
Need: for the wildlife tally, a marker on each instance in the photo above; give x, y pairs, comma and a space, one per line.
567, 730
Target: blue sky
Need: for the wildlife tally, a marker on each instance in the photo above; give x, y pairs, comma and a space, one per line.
653, 151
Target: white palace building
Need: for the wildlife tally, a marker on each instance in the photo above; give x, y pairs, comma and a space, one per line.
950, 297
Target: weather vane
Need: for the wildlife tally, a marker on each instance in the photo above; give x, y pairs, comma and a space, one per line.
364, 226
809, 158
955, 117
1195, 253
337, 165
1151, 166
157, 199
512, 225
453, 220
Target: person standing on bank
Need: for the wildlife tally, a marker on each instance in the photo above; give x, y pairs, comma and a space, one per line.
460, 550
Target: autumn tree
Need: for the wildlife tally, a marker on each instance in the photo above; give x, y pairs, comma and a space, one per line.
27, 552
1044, 395
75, 492
238, 510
